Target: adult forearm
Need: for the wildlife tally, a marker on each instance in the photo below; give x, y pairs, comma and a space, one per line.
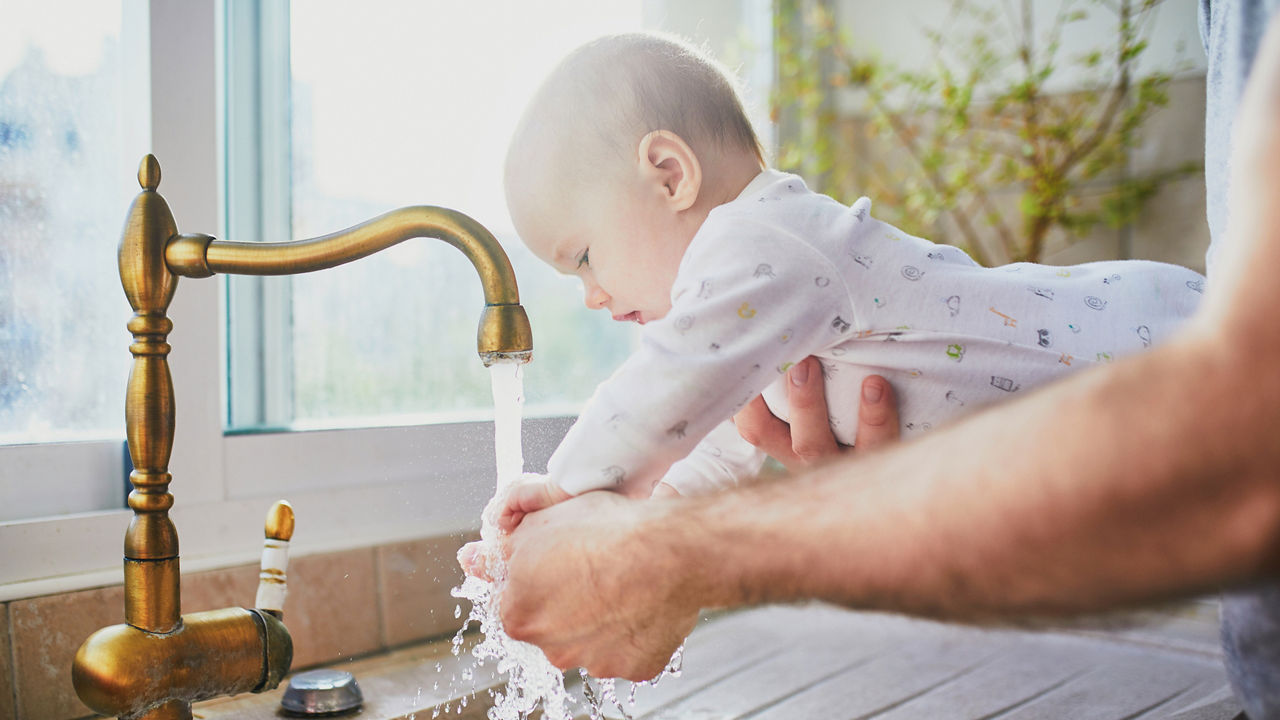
1101, 490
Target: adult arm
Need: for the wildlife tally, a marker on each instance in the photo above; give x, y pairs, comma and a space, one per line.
1147, 479
1154, 477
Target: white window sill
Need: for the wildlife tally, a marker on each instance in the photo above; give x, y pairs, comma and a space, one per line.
413, 482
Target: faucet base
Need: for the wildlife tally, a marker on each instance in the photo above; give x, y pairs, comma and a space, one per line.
121, 671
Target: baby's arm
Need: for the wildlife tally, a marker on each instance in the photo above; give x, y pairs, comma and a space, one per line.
720, 461
746, 306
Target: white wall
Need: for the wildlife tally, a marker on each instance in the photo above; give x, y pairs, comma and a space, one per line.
894, 30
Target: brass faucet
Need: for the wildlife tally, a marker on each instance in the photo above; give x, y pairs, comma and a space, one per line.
159, 662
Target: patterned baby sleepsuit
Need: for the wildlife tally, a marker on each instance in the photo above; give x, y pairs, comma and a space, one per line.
781, 273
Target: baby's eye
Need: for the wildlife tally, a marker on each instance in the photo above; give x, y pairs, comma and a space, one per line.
583, 260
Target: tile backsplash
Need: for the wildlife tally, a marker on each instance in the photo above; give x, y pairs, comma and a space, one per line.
341, 605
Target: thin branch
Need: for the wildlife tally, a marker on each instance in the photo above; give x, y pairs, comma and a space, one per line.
935, 180
1007, 238
1030, 113
1108, 115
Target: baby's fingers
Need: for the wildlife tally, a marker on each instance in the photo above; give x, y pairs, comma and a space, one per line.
510, 518
474, 560
528, 498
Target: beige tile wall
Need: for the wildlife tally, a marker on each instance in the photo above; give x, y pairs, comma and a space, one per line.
6, 666
341, 605
415, 579
46, 632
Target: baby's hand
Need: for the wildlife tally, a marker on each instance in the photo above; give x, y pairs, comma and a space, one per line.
474, 560
526, 498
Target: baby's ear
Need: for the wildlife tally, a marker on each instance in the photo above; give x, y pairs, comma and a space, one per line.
668, 161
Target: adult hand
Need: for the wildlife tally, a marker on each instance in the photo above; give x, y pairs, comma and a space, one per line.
588, 584
808, 438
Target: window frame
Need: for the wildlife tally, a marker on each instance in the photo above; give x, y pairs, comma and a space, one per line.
257, 199
378, 484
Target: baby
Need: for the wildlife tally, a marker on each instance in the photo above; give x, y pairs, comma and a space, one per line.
636, 170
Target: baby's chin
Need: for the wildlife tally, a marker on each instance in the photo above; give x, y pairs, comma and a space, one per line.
654, 315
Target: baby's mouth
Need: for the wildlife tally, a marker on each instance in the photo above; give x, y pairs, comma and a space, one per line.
633, 316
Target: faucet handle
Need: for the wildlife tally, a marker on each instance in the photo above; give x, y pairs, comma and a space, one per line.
275, 559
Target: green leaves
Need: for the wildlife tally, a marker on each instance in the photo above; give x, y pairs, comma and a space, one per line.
971, 149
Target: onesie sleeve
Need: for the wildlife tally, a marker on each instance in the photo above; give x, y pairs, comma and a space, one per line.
749, 301
718, 462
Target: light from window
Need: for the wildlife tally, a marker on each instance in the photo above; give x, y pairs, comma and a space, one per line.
408, 103
64, 190
412, 102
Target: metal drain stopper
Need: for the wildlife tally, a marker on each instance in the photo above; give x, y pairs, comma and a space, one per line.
322, 692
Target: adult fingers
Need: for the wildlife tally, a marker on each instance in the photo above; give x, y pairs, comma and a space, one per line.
583, 585
760, 427
811, 437
877, 414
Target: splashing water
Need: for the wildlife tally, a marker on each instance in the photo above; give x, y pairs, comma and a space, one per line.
531, 679
609, 689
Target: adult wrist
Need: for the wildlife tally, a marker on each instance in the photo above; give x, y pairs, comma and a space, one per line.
675, 541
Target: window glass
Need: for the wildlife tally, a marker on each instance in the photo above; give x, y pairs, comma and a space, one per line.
412, 103
64, 190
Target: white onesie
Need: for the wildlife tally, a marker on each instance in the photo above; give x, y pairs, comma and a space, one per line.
781, 273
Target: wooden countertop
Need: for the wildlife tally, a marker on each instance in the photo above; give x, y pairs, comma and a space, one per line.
818, 662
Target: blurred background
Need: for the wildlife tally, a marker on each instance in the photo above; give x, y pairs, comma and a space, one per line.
1060, 132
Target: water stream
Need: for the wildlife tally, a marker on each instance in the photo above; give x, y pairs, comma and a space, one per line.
532, 681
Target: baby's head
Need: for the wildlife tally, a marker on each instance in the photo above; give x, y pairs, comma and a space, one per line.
619, 157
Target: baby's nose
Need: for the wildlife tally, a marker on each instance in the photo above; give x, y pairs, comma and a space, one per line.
594, 296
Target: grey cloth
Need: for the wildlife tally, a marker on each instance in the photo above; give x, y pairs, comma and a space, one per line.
1232, 31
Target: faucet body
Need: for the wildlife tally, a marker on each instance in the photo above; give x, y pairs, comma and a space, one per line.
127, 672
158, 662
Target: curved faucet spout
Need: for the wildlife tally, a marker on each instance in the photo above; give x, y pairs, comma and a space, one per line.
504, 327
158, 662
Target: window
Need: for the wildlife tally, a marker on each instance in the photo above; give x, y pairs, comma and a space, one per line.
403, 103
334, 117
61, 487
65, 147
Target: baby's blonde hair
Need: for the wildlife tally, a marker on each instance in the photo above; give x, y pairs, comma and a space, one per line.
614, 90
